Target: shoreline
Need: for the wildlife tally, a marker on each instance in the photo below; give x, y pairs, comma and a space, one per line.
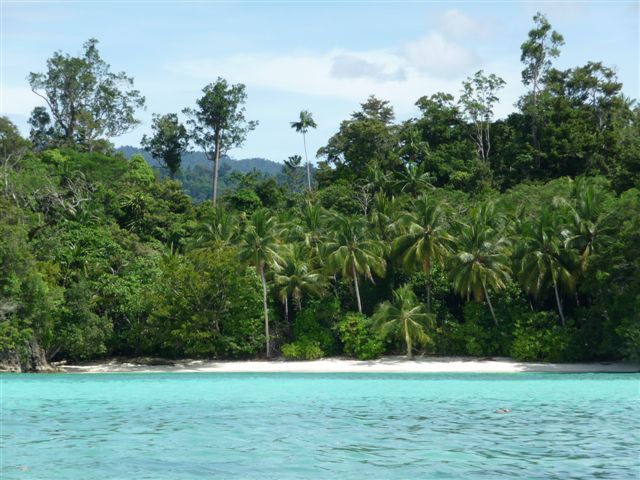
344, 365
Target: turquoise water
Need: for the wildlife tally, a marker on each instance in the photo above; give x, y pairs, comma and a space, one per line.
333, 426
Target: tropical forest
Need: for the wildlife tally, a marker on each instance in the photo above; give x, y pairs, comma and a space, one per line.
452, 233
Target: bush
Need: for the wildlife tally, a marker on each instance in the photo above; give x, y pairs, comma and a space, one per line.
537, 336
629, 331
314, 323
357, 338
304, 349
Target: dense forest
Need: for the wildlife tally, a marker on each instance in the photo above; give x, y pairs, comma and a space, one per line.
452, 233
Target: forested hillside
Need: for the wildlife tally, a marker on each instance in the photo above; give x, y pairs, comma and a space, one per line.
452, 233
195, 170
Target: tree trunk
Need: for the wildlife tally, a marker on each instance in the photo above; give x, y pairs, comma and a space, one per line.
355, 283
286, 309
555, 288
427, 270
407, 338
306, 158
216, 161
486, 296
266, 310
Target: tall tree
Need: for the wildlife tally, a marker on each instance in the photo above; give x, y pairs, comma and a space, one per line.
480, 262
406, 315
218, 123
168, 142
352, 252
296, 278
425, 239
86, 101
542, 45
260, 247
302, 126
544, 260
479, 96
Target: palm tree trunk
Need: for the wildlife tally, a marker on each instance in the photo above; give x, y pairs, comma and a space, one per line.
407, 338
355, 283
306, 158
286, 310
555, 288
266, 309
427, 270
486, 296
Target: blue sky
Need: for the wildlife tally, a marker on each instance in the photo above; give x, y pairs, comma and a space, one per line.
326, 57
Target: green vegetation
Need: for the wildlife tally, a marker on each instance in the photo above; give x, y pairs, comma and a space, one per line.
452, 233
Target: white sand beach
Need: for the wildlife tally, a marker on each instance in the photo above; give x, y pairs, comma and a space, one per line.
342, 365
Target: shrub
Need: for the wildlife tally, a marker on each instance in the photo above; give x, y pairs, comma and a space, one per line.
303, 349
314, 324
537, 336
357, 338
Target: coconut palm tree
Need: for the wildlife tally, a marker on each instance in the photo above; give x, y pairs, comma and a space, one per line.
295, 278
425, 239
590, 220
480, 262
302, 126
406, 315
218, 229
543, 259
384, 215
260, 247
351, 252
412, 180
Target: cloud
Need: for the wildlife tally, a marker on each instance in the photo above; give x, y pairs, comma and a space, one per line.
436, 55
351, 66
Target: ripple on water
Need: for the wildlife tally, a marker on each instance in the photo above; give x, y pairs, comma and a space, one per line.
320, 426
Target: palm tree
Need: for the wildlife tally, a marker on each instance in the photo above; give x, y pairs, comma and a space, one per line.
590, 220
406, 315
543, 259
351, 252
480, 261
302, 126
295, 278
424, 240
384, 214
261, 248
219, 229
413, 181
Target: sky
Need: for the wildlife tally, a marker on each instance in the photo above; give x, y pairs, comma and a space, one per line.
321, 56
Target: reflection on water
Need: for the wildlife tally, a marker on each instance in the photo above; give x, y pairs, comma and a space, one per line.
183, 426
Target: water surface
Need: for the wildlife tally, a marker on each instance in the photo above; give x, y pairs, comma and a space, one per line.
325, 426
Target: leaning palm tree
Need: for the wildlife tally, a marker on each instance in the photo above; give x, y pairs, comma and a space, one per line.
404, 315
295, 278
261, 248
543, 259
480, 262
425, 240
302, 126
352, 252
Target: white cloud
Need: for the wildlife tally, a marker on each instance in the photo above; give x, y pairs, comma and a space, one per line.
435, 54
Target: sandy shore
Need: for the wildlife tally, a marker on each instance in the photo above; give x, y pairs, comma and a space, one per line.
339, 365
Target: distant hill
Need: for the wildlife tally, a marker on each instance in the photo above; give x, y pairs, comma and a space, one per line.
190, 160
195, 172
